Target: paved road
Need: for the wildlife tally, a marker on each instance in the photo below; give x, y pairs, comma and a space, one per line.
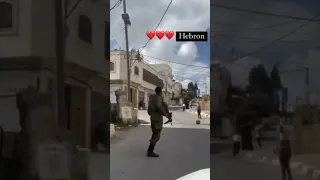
219, 146
227, 167
181, 119
99, 166
182, 150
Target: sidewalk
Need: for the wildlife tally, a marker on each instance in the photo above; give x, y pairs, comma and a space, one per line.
307, 164
203, 113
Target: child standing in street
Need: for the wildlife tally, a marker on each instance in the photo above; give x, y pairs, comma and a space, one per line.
236, 143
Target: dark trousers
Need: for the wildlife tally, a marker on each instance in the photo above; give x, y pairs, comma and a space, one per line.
285, 168
156, 133
236, 148
199, 114
259, 142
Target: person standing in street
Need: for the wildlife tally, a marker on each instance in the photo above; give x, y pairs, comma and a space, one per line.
199, 111
258, 135
284, 153
236, 143
156, 112
183, 107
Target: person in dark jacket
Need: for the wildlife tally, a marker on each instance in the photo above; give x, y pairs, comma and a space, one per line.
199, 111
285, 155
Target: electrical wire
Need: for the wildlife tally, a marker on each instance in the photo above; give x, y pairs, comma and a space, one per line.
72, 9
264, 13
115, 41
276, 40
174, 62
117, 4
270, 28
165, 12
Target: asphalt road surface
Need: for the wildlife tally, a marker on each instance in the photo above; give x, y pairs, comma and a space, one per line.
183, 148
226, 167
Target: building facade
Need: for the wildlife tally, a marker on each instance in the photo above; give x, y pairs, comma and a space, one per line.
220, 80
166, 71
177, 96
144, 79
27, 56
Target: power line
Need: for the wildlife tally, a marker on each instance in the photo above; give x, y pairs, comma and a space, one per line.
196, 74
174, 62
276, 40
118, 3
264, 13
165, 12
72, 9
269, 28
115, 40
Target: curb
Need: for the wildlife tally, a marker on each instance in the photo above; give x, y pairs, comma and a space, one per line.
195, 112
305, 169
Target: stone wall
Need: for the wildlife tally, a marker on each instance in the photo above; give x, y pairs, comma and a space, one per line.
38, 128
305, 131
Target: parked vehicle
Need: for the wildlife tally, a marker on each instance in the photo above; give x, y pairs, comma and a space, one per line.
203, 174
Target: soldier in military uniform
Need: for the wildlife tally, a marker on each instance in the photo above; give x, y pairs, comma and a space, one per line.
156, 110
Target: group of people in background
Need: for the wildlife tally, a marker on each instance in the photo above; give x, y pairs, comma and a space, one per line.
237, 139
198, 109
283, 148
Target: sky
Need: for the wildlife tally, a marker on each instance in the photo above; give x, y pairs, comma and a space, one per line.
242, 40
183, 15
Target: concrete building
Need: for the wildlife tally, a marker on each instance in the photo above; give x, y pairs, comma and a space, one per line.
221, 79
27, 57
166, 71
144, 79
177, 96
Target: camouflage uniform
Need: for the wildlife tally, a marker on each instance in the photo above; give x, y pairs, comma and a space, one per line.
156, 111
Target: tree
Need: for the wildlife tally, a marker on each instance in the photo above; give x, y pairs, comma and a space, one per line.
276, 84
190, 86
275, 78
196, 89
260, 91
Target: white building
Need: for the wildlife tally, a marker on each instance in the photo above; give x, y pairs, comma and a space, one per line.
27, 57
220, 79
144, 79
166, 71
177, 87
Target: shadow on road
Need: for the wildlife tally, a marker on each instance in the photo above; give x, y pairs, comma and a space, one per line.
216, 148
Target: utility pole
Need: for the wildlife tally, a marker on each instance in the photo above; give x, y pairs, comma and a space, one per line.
206, 89
307, 86
60, 59
126, 19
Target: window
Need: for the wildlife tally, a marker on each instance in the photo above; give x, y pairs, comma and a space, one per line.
136, 70
85, 29
112, 66
6, 15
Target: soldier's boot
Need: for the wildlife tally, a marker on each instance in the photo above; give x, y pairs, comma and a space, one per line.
150, 152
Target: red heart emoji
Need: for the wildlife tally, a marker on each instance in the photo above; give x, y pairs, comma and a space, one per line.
169, 34
160, 34
151, 34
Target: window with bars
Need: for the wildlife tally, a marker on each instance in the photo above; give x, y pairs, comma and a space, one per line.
112, 67
136, 70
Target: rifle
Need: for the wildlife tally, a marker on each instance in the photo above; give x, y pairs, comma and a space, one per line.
170, 119
165, 106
